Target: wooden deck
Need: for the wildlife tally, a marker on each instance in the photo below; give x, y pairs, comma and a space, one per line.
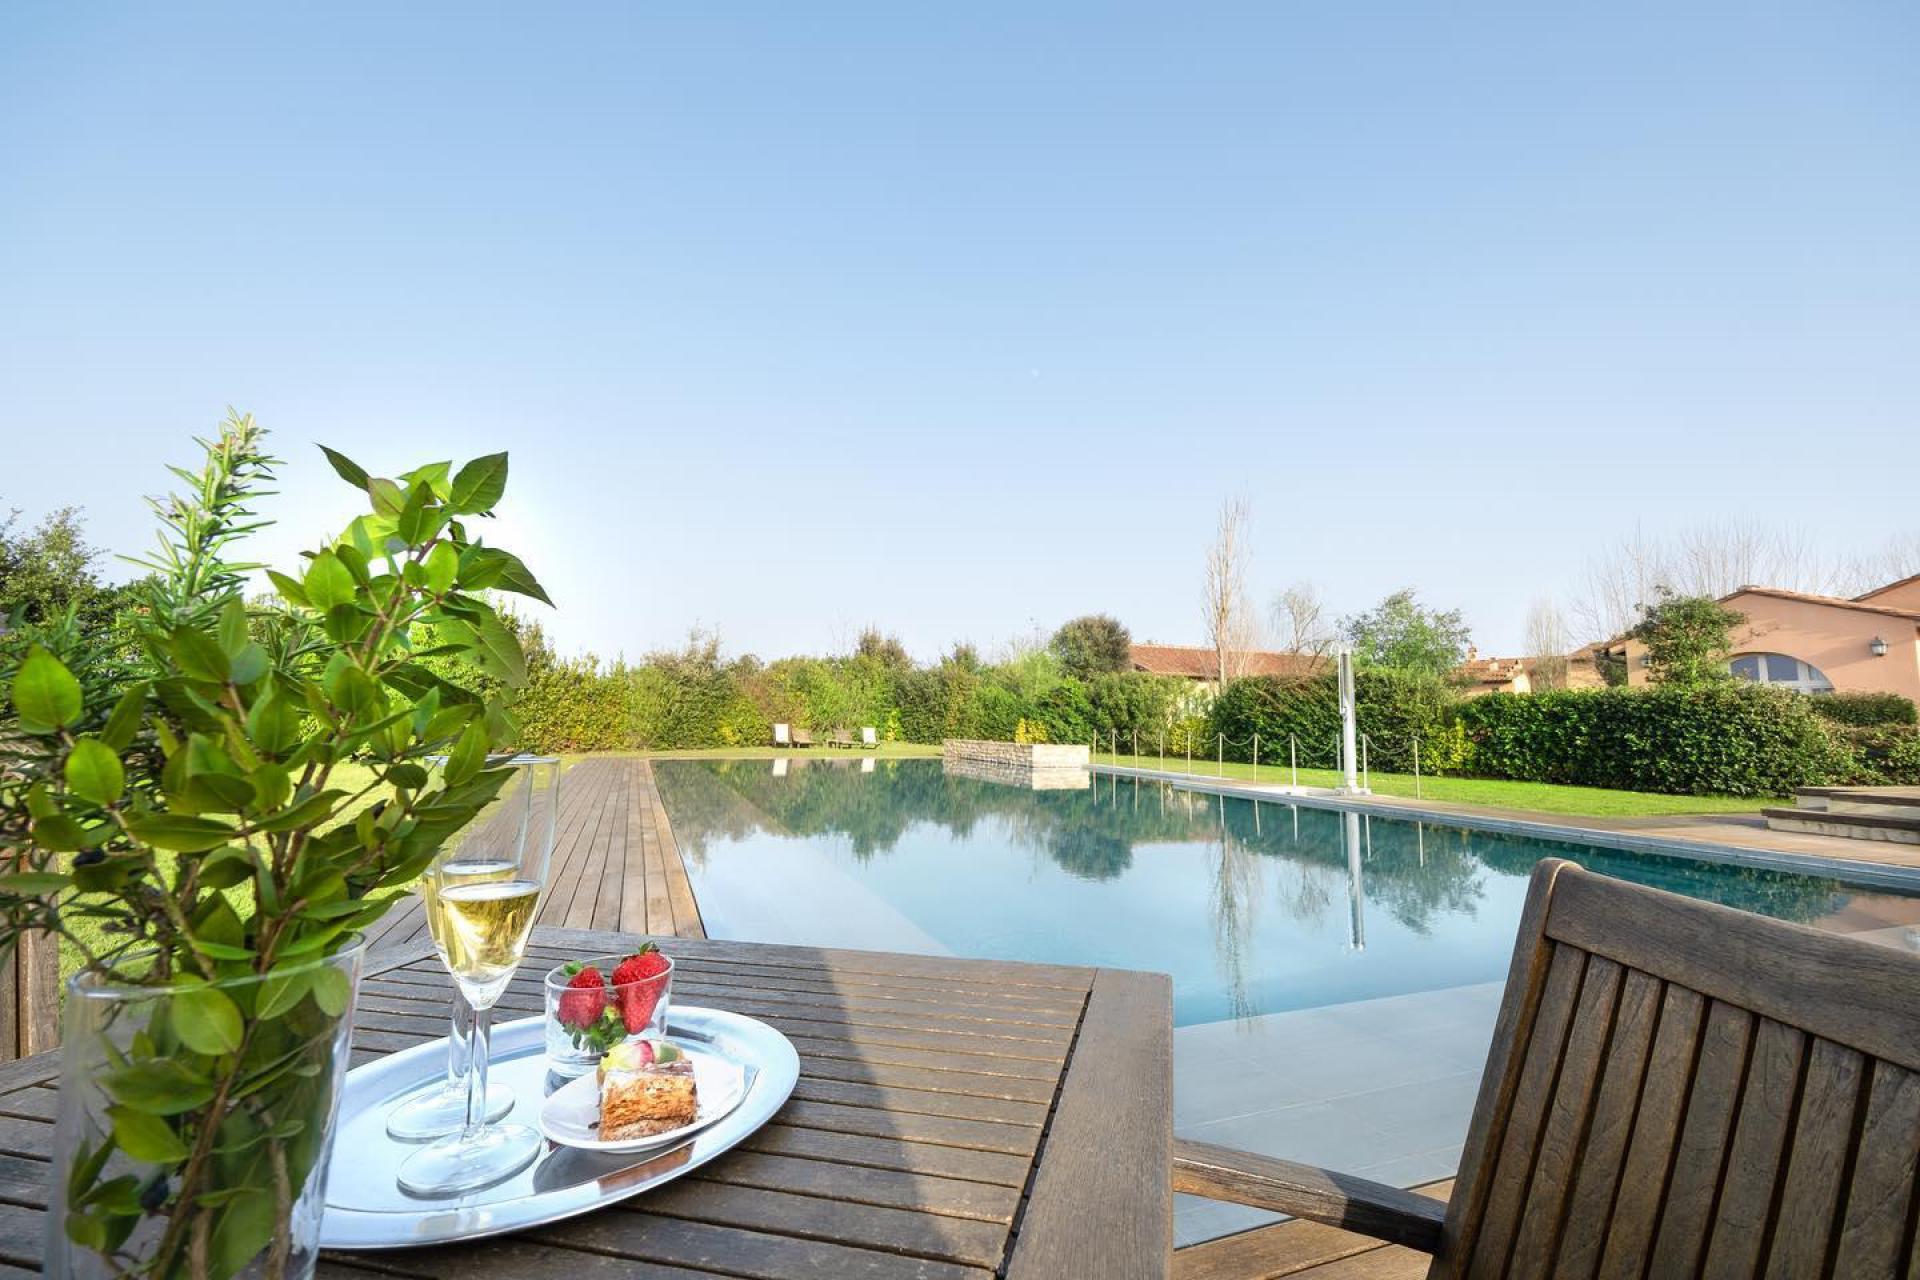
1308, 1250
616, 867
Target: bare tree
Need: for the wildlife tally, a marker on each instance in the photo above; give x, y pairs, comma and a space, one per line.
1706, 560
1230, 629
1300, 622
1547, 646
1896, 558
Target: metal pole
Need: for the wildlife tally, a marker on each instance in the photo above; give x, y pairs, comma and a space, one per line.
1163, 751
1256, 764
1136, 746
1113, 745
1365, 771
1416, 781
1350, 783
1221, 771
1293, 759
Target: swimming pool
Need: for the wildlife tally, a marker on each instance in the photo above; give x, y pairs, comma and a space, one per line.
1253, 907
1336, 975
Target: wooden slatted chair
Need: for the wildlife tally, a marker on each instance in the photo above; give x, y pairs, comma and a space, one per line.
1674, 1089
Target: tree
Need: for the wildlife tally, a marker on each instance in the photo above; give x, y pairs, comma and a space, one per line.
1091, 645
1229, 622
1547, 646
1688, 639
45, 572
883, 649
1301, 623
1402, 633
1716, 559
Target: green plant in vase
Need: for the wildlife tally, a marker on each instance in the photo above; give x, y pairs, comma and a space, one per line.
211, 819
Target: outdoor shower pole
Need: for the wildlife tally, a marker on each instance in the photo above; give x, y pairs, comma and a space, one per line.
1350, 783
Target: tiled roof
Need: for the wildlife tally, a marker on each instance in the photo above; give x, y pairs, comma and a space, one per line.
1832, 602
1891, 586
1204, 664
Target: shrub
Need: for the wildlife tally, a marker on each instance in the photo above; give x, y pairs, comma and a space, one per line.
1392, 708
1730, 739
1864, 708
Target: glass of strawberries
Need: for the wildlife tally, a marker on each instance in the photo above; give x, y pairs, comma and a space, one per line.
593, 1005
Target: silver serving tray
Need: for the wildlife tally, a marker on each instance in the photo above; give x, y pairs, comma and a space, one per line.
367, 1210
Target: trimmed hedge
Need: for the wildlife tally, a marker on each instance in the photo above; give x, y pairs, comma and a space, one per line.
1726, 739
1392, 708
1865, 709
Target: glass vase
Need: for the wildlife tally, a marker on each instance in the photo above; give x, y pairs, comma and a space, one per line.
195, 1123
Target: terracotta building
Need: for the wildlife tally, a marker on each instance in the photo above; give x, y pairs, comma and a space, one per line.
1819, 644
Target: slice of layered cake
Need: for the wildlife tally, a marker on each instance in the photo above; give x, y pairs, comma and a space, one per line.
646, 1087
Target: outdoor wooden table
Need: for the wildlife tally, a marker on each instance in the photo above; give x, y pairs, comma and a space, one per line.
954, 1120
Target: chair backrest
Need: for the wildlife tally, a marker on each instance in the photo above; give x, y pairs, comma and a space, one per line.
782, 735
1677, 1088
868, 738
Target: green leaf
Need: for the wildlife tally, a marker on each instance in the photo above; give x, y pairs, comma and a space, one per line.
59, 833
482, 568
280, 991
94, 773
434, 476
328, 582
124, 723
350, 688
249, 665
346, 468
315, 809
146, 1137
33, 884
443, 567
178, 832
198, 654
331, 990
233, 627
479, 485
468, 757
497, 650
45, 692
388, 498
290, 591
162, 1087
207, 1019
244, 1229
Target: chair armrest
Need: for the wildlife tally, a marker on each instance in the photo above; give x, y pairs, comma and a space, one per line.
1306, 1191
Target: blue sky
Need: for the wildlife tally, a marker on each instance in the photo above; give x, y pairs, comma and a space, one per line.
963, 319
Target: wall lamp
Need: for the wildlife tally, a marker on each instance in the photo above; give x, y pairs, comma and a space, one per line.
1877, 647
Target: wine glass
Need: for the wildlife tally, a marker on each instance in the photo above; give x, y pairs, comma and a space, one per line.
481, 904
441, 1108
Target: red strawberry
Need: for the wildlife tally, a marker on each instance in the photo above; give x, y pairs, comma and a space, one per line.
584, 999
635, 987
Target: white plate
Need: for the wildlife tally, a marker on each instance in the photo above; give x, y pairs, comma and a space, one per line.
571, 1115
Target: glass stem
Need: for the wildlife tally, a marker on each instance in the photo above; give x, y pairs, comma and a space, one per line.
458, 1035
479, 1050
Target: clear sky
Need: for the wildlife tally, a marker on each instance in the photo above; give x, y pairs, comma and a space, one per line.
962, 319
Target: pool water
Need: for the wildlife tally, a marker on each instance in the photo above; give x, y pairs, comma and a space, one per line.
1253, 908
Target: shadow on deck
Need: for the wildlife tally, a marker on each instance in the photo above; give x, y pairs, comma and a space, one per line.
616, 866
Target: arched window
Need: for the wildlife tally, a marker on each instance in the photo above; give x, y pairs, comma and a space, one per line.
1780, 669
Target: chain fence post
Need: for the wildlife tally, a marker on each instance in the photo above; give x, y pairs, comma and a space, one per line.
1416, 768
1221, 770
1293, 759
1366, 773
1256, 759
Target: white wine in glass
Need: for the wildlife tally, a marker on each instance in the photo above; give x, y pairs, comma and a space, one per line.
480, 905
442, 1109
484, 927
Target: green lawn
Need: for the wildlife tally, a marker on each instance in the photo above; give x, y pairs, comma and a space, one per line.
1539, 797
